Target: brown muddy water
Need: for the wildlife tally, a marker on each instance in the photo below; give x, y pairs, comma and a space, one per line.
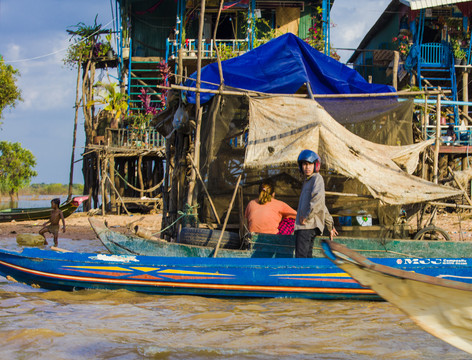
38, 324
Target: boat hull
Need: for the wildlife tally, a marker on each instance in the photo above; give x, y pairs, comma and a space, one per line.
40, 213
316, 278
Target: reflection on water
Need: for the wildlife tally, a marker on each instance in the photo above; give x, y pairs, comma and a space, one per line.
38, 324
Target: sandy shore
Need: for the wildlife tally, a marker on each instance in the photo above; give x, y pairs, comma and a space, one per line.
78, 227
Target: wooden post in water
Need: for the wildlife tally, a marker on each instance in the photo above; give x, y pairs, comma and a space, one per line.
438, 140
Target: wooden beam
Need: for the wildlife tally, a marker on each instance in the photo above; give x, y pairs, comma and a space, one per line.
321, 96
438, 140
396, 60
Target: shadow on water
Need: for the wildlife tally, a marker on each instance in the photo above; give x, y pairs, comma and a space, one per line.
125, 325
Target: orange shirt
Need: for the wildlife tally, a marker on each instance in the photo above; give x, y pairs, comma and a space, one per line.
266, 218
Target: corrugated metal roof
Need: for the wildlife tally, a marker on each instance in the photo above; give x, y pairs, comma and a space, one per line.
422, 4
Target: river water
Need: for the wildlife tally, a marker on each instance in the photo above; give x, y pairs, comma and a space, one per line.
39, 324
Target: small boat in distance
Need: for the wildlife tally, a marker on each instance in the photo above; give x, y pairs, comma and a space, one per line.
439, 305
39, 213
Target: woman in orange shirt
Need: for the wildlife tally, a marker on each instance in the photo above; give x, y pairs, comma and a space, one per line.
265, 214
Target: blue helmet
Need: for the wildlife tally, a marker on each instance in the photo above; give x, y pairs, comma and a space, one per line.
311, 157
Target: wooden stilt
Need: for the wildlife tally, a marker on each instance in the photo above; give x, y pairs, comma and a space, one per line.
396, 60
438, 140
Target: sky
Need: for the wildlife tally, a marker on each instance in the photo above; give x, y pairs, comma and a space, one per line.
34, 41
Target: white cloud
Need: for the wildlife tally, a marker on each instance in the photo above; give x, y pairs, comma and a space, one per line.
353, 20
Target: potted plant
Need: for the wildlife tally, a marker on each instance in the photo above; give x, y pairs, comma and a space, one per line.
115, 102
459, 54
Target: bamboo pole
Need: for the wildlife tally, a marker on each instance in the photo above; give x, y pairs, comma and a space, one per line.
321, 96
459, 206
396, 60
423, 130
218, 58
180, 66
438, 140
465, 90
230, 207
119, 197
333, 193
74, 133
102, 181
460, 185
140, 176
198, 115
398, 93
212, 205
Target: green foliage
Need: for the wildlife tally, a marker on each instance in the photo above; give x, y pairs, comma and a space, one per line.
115, 102
458, 52
226, 52
16, 167
88, 43
9, 92
315, 34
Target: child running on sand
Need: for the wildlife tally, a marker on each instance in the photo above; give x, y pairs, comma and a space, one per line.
52, 226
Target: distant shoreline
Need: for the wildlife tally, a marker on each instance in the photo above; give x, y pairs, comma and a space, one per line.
47, 189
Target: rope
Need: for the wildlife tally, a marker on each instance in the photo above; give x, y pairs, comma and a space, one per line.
58, 51
134, 188
188, 212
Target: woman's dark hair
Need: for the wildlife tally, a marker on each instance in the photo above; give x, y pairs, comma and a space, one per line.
266, 189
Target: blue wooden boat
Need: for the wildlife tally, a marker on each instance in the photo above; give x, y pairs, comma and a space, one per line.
316, 278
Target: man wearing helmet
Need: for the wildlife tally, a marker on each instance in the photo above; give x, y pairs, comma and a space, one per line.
312, 214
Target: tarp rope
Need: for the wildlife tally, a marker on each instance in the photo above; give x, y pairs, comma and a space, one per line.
135, 188
186, 213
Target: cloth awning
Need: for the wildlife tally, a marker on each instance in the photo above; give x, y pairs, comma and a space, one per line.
422, 4
280, 127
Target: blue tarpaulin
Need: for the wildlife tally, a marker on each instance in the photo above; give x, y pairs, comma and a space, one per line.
282, 66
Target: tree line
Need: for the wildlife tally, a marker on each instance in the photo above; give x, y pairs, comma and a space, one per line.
51, 189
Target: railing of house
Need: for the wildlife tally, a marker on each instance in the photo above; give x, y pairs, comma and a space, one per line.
239, 141
463, 135
435, 54
191, 47
135, 138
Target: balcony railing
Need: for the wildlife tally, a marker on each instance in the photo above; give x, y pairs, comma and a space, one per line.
190, 47
463, 135
435, 54
135, 138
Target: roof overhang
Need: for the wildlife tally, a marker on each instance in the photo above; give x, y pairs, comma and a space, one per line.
422, 4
